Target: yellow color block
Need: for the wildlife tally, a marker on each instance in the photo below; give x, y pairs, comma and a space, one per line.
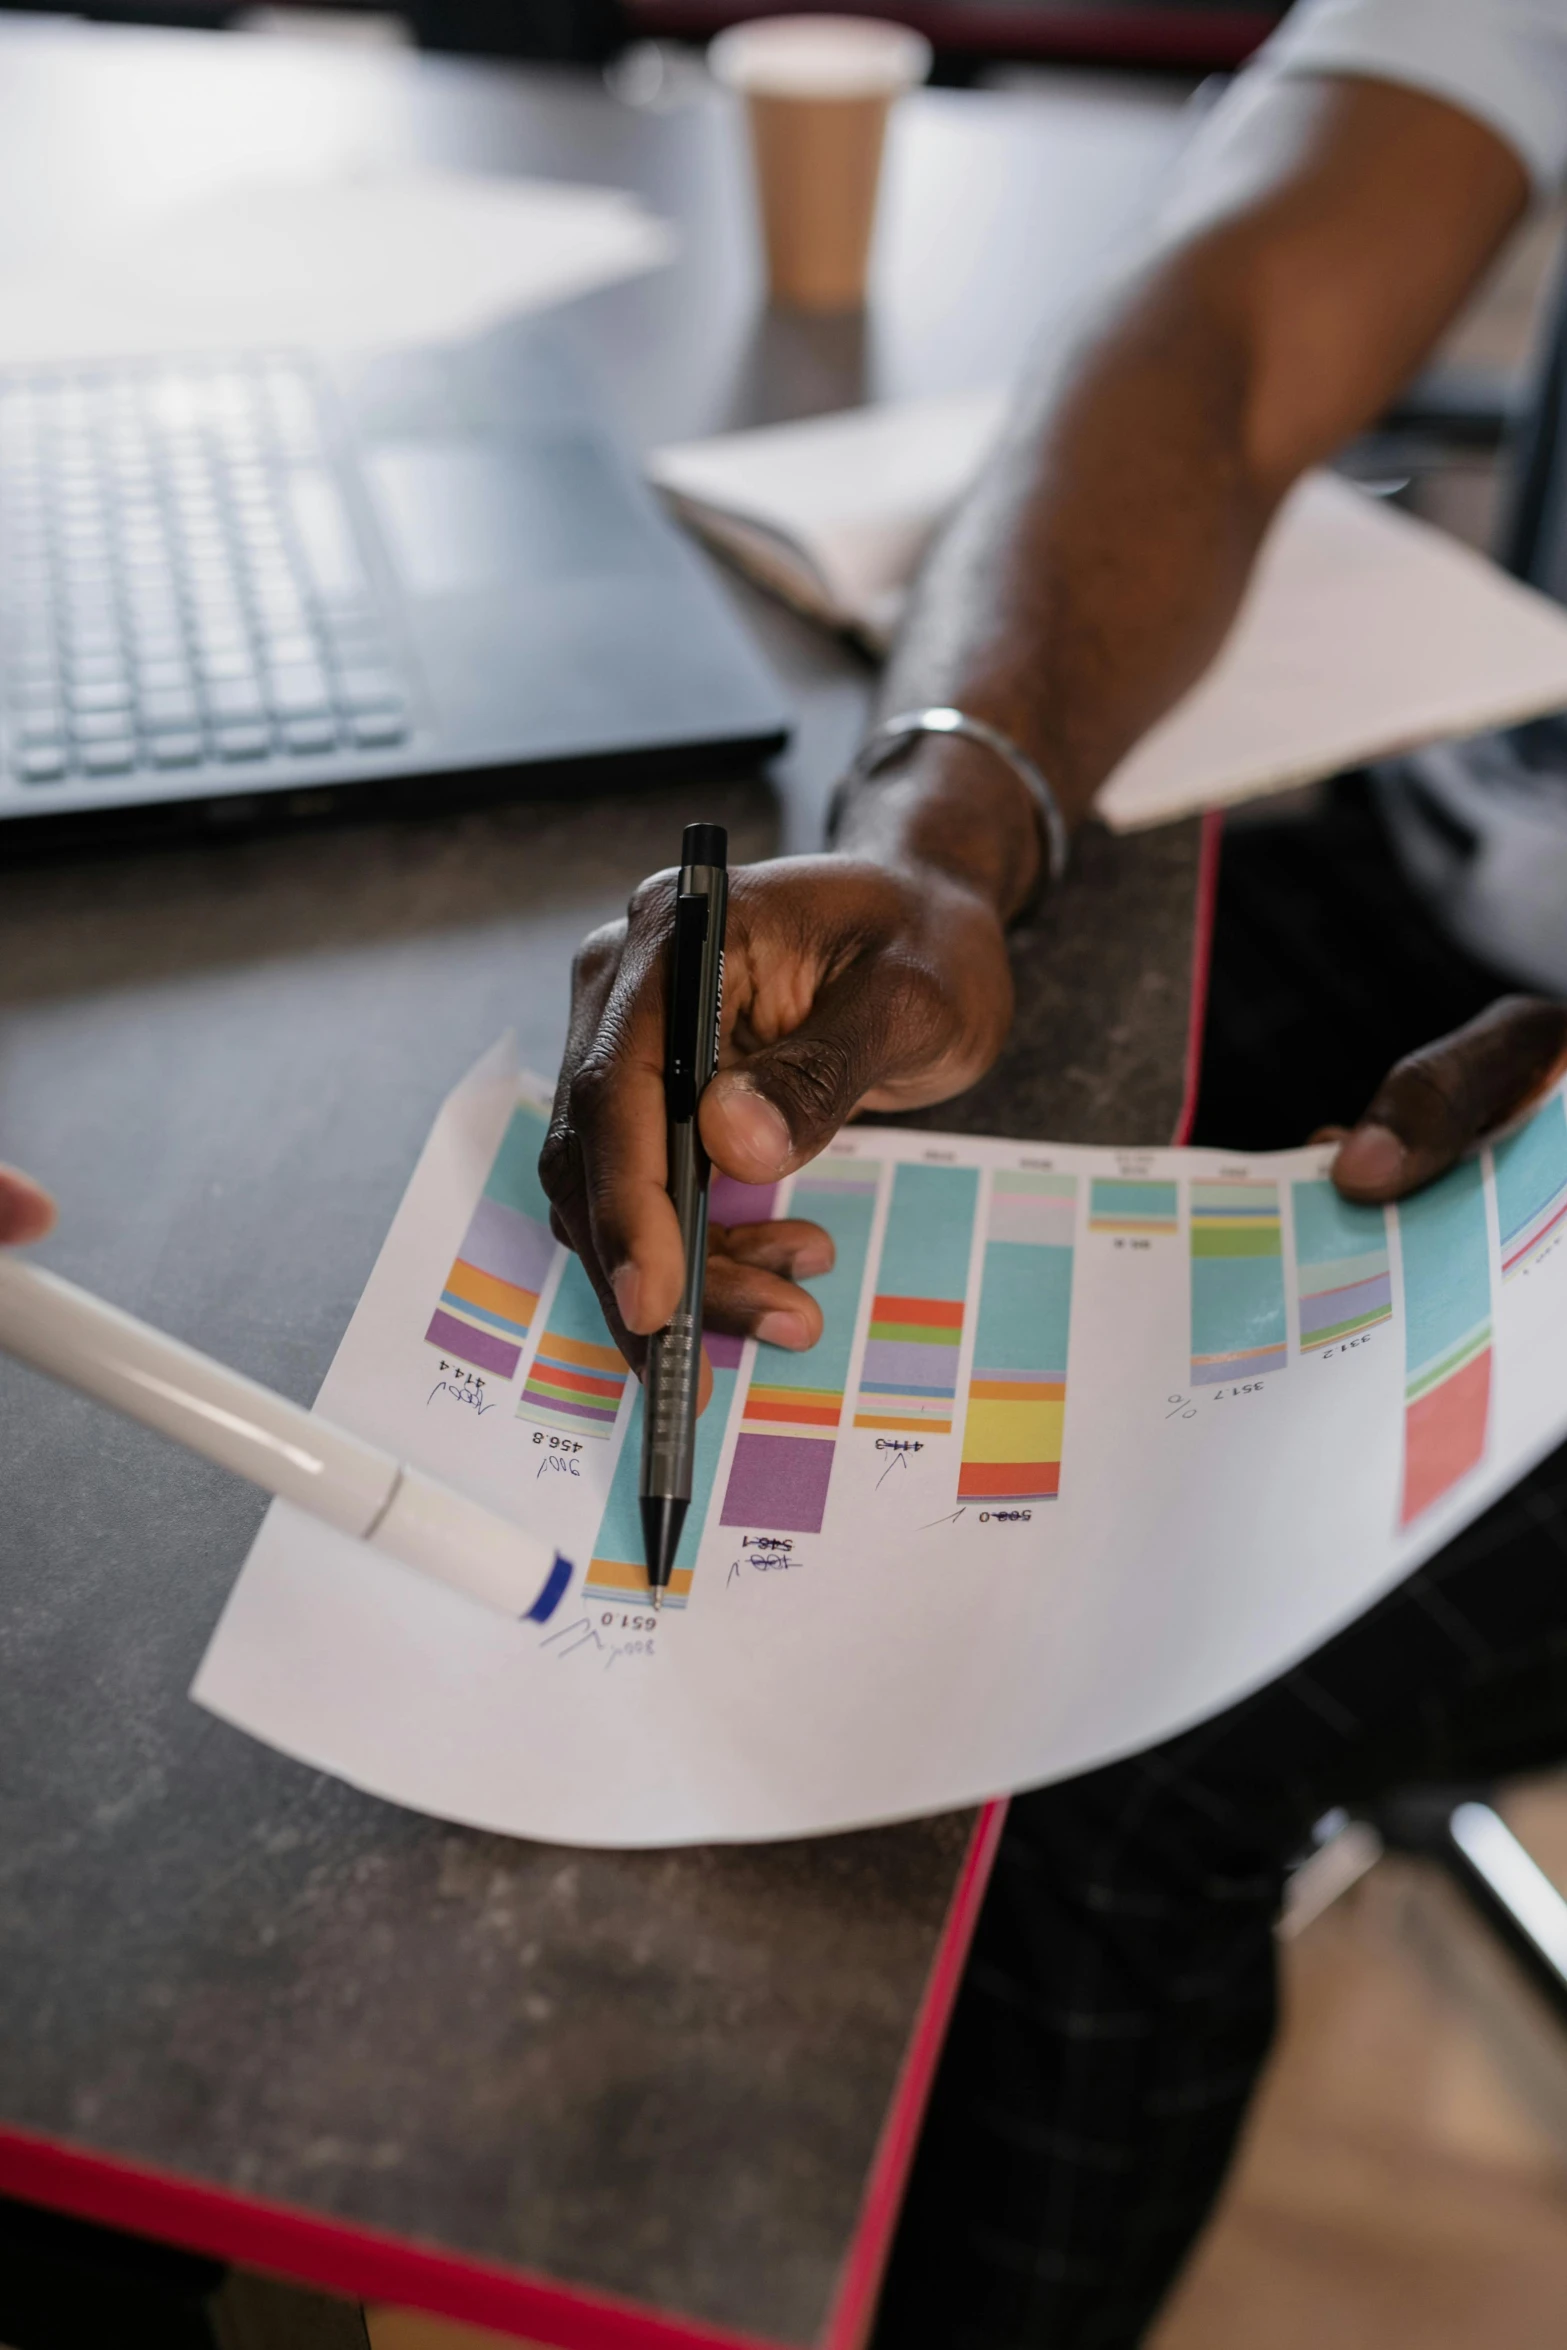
1013, 1431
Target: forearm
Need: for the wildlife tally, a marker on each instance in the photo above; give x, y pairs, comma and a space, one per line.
1097, 567
1086, 582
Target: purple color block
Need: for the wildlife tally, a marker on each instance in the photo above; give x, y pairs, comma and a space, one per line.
510, 1246
729, 1202
472, 1346
1251, 1366
907, 1364
780, 1483
1332, 1306
723, 1350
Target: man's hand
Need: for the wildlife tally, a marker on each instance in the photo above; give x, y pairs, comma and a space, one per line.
1432, 1106
26, 1212
847, 985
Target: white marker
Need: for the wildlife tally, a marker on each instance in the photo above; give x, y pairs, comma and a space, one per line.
231, 1420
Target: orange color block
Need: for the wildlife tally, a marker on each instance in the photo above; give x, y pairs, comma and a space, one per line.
516, 1305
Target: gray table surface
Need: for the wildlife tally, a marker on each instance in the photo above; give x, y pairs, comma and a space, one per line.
660, 2075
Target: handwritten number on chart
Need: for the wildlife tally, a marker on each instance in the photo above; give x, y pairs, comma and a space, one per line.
602, 1638
465, 1387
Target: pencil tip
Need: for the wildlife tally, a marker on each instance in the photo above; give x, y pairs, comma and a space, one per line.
662, 1519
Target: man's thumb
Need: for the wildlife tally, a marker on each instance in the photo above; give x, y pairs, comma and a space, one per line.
785, 1103
1436, 1102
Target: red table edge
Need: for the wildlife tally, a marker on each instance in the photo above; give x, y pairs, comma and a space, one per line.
367, 2264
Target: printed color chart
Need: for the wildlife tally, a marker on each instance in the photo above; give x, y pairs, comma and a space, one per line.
1447, 1335
909, 1378
865, 1626
1531, 1186
783, 1460
1238, 1321
1341, 1265
618, 1570
1122, 1204
1017, 1392
578, 1375
492, 1290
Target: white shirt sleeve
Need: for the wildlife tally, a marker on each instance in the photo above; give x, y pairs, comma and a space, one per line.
1503, 61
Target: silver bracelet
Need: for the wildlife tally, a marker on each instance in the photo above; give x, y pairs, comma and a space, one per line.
893, 733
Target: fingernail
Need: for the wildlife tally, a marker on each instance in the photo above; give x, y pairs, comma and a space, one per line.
626, 1282
757, 1128
779, 1329
1372, 1158
810, 1258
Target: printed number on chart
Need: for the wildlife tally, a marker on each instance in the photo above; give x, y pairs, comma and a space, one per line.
1005, 1517
897, 1452
764, 1554
464, 1387
1185, 1407
1347, 1345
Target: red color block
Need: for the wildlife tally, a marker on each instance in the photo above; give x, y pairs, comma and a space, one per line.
919, 1313
1444, 1435
1009, 1480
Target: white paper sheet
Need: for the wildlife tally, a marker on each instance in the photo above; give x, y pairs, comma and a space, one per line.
386, 260
1365, 631
855, 495
1271, 1412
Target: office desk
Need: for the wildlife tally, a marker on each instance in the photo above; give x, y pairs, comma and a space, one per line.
598, 2099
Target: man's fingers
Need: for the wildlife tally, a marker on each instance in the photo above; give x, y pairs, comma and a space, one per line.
26, 1210
753, 1303
789, 1245
1433, 1105
603, 1164
618, 1116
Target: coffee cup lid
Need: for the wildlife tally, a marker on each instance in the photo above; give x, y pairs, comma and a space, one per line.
820, 57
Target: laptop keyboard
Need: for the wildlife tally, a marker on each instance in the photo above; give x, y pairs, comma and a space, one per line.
181, 583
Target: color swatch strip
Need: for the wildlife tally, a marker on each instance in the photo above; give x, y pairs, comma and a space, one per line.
492, 1291
1017, 1390
1341, 1265
1446, 1251
1130, 1206
909, 1374
783, 1458
1531, 1186
618, 1569
1239, 1328
578, 1375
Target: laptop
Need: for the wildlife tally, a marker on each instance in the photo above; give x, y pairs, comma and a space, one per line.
274, 585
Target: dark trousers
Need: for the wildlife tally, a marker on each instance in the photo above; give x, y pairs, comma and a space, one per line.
1120, 1999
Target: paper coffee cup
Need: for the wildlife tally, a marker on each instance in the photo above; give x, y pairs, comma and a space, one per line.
818, 90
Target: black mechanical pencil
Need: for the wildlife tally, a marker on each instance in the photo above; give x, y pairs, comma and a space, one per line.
696, 994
